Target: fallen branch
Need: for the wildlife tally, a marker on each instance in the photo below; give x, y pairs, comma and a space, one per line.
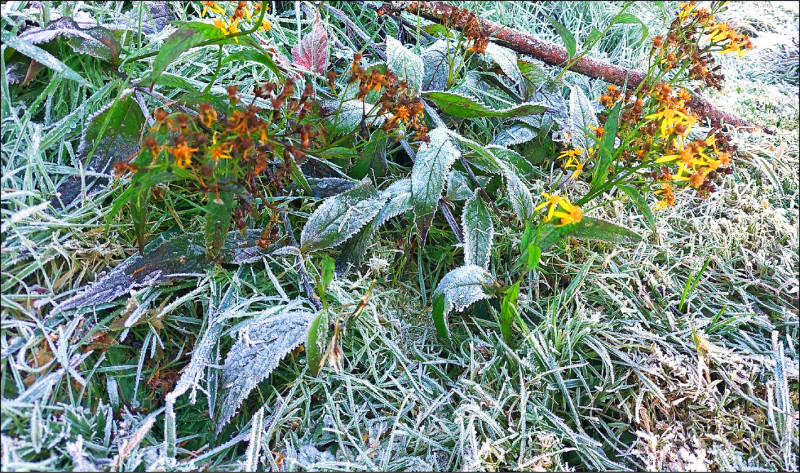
555, 55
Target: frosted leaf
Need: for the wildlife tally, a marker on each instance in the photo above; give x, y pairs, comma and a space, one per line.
329, 186
458, 187
582, 114
457, 290
515, 134
312, 52
97, 41
519, 195
436, 59
166, 258
348, 117
404, 63
507, 60
428, 176
257, 352
476, 221
398, 201
341, 216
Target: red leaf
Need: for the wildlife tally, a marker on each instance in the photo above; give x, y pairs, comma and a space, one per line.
312, 52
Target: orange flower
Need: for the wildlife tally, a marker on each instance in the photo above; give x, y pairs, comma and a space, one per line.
183, 155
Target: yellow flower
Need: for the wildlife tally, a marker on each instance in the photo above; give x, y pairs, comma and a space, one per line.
670, 118
266, 25
668, 197
574, 163
571, 213
552, 201
183, 155
233, 28
221, 151
401, 113
571, 153
211, 7
220, 25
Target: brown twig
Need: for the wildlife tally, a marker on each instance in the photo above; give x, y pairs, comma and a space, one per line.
556, 55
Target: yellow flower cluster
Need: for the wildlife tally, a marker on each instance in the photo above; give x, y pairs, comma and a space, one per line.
560, 208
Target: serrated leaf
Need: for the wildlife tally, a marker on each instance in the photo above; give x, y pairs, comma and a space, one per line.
566, 36
219, 214
458, 187
459, 289
640, 203
41, 56
515, 134
581, 115
507, 60
428, 175
166, 258
96, 41
186, 37
112, 134
255, 355
436, 59
520, 196
398, 201
476, 222
595, 229
461, 106
404, 63
312, 52
340, 217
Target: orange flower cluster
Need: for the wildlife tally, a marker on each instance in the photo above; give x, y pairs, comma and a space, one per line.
682, 47
466, 21
395, 98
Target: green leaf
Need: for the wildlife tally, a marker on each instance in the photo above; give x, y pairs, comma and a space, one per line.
183, 39
111, 135
508, 311
595, 229
340, 217
328, 266
630, 19
534, 255
372, 157
461, 106
476, 222
316, 343
428, 176
139, 214
581, 116
566, 36
606, 152
43, 57
97, 41
459, 289
437, 60
640, 203
404, 63
593, 36
551, 234
219, 213
253, 56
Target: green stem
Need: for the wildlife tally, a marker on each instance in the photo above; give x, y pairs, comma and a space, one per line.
216, 71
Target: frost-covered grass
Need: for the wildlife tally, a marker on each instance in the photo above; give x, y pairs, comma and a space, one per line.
612, 376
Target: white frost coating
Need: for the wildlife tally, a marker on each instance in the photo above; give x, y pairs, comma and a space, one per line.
581, 115
436, 59
341, 216
350, 115
458, 187
507, 60
257, 352
519, 195
463, 287
404, 63
476, 221
428, 175
515, 134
